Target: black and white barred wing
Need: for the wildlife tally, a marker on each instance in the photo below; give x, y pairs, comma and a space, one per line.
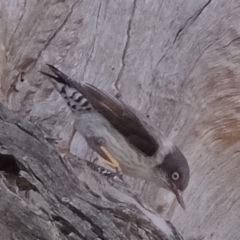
116, 112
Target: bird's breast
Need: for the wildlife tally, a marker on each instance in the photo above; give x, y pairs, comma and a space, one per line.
133, 162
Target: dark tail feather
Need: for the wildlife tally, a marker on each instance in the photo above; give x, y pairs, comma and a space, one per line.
49, 75
70, 91
60, 77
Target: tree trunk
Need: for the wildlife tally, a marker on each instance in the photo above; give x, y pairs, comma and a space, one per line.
175, 61
42, 196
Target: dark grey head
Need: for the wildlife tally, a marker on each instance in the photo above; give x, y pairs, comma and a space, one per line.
175, 173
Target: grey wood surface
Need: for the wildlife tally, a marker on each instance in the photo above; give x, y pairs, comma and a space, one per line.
43, 197
176, 61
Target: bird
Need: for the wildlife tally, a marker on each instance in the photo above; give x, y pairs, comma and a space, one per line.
124, 138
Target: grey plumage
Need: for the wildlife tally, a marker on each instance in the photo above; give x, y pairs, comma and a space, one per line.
140, 148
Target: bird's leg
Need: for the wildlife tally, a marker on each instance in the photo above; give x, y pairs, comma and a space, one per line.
113, 162
66, 149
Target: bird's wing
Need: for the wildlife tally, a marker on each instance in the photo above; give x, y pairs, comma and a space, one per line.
115, 111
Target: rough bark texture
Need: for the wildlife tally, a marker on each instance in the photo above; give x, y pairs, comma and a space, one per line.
176, 61
42, 197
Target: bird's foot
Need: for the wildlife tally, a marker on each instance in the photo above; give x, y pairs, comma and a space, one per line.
113, 162
64, 149
71, 156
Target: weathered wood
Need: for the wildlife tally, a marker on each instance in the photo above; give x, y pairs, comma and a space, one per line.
41, 197
176, 61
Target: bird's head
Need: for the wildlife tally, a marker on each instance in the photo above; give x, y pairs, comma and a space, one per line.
174, 174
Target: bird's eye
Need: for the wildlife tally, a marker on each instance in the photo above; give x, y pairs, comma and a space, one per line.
175, 176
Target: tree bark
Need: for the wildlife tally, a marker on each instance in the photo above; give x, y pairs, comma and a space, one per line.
175, 61
41, 197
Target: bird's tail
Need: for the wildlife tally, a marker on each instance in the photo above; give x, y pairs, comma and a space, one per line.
63, 84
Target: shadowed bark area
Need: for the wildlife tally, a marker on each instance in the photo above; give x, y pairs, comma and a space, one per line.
42, 198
